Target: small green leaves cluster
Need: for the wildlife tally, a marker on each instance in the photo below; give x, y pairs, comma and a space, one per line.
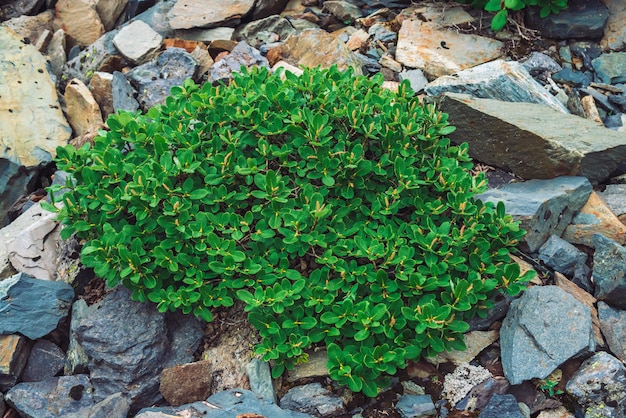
337, 211
501, 8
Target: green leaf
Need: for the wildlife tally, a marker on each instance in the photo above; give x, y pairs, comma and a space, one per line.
493, 6
499, 20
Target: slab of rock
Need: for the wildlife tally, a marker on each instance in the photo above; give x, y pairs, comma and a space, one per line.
109, 11
242, 54
77, 360
80, 20
14, 352
501, 406
615, 31
416, 406
116, 405
45, 361
315, 367
186, 383
313, 399
440, 52
595, 217
609, 267
601, 379
187, 14
123, 94
32, 124
613, 326
31, 306
344, 11
56, 52
611, 68
561, 255
508, 81
475, 341
543, 328
155, 79
544, 207
138, 42
584, 19
523, 138
260, 379
101, 87
614, 195
83, 112
55, 397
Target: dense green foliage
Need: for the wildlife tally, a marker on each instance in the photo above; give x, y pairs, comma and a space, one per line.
336, 210
501, 8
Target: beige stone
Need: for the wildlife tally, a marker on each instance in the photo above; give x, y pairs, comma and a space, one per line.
608, 224
100, 86
475, 341
109, 11
357, 39
31, 27
315, 367
560, 412
441, 52
591, 110
80, 20
187, 14
186, 383
83, 111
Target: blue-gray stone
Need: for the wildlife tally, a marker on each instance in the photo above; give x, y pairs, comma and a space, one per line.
241, 55
614, 195
416, 77
371, 65
46, 360
226, 404
586, 51
561, 255
260, 378
543, 328
130, 343
538, 64
416, 406
501, 406
544, 207
154, 80
611, 68
609, 268
63, 396
600, 380
123, 94
573, 78
254, 32
77, 360
381, 33
313, 399
613, 326
31, 306
113, 406
583, 19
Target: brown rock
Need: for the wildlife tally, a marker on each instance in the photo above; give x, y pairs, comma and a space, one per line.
605, 222
357, 39
591, 111
14, 352
100, 87
441, 52
80, 20
31, 27
83, 112
185, 44
186, 383
187, 14
615, 29
109, 11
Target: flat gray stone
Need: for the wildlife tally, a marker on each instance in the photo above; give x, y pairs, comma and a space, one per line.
544, 327
261, 379
609, 268
544, 207
313, 399
583, 19
31, 306
611, 68
501, 406
533, 141
138, 42
614, 195
561, 255
416, 406
613, 326
123, 94
416, 77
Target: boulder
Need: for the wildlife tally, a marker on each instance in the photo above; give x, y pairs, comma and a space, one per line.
525, 139
544, 327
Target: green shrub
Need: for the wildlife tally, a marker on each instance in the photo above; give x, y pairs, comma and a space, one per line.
501, 8
336, 210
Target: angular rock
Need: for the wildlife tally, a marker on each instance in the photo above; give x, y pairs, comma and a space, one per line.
583, 19
109, 11
543, 328
459, 383
13, 9
313, 399
561, 255
508, 81
609, 267
573, 78
31, 306
77, 360
138, 42
32, 124
56, 52
475, 341
55, 397
80, 20
614, 195
382, 33
123, 94
242, 54
440, 52
343, 10
538, 64
595, 217
416, 78
31, 27
600, 380
523, 138
187, 14
101, 87
416, 406
260, 379
116, 405
611, 68
560, 412
45, 361
615, 31
265, 8
14, 352
613, 326
544, 207
315, 367
155, 79
255, 32
480, 395
313, 47
501, 406
83, 112
206, 35
186, 383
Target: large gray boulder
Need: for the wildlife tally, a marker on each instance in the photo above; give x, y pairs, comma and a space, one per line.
543, 328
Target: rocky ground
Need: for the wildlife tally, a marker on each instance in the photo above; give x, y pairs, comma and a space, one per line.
542, 105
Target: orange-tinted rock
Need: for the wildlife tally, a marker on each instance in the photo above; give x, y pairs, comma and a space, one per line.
186, 383
80, 20
83, 112
595, 217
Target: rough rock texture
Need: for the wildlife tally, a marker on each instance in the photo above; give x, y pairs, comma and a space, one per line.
613, 326
45, 361
14, 351
420, 46
475, 342
523, 138
608, 271
138, 42
32, 125
242, 54
253, 32
544, 207
543, 328
561, 255
611, 68
501, 406
416, 406
459, 383
101, 86
186, 383
582, 19
31, 27
80, 20
615, 31
260, 378
187, 14
109, 11
83, 112
313, 399
595, 217
508, 81
12, 9
123, 94
31, 306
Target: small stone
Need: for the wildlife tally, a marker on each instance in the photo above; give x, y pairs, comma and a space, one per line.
357, 39
186, 383
416, 406
206, 35
475, 341
614, 195
480, 395
315, 367
560, 412
101, 86
83, 112
573, 78
608, 271
260, 379
387, 61
459, 383
611, 68
501, 406
80, 20
253, 32
591, 110
242, 54
56, 52
138, 42
115, 405
343, 10
595, 217
109, 11
538, 63
313, 399
615, 31
561, 255
123, 94
382, 33
265, 8
601, 379
416, 77
45, 361
14, 352
613, 325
